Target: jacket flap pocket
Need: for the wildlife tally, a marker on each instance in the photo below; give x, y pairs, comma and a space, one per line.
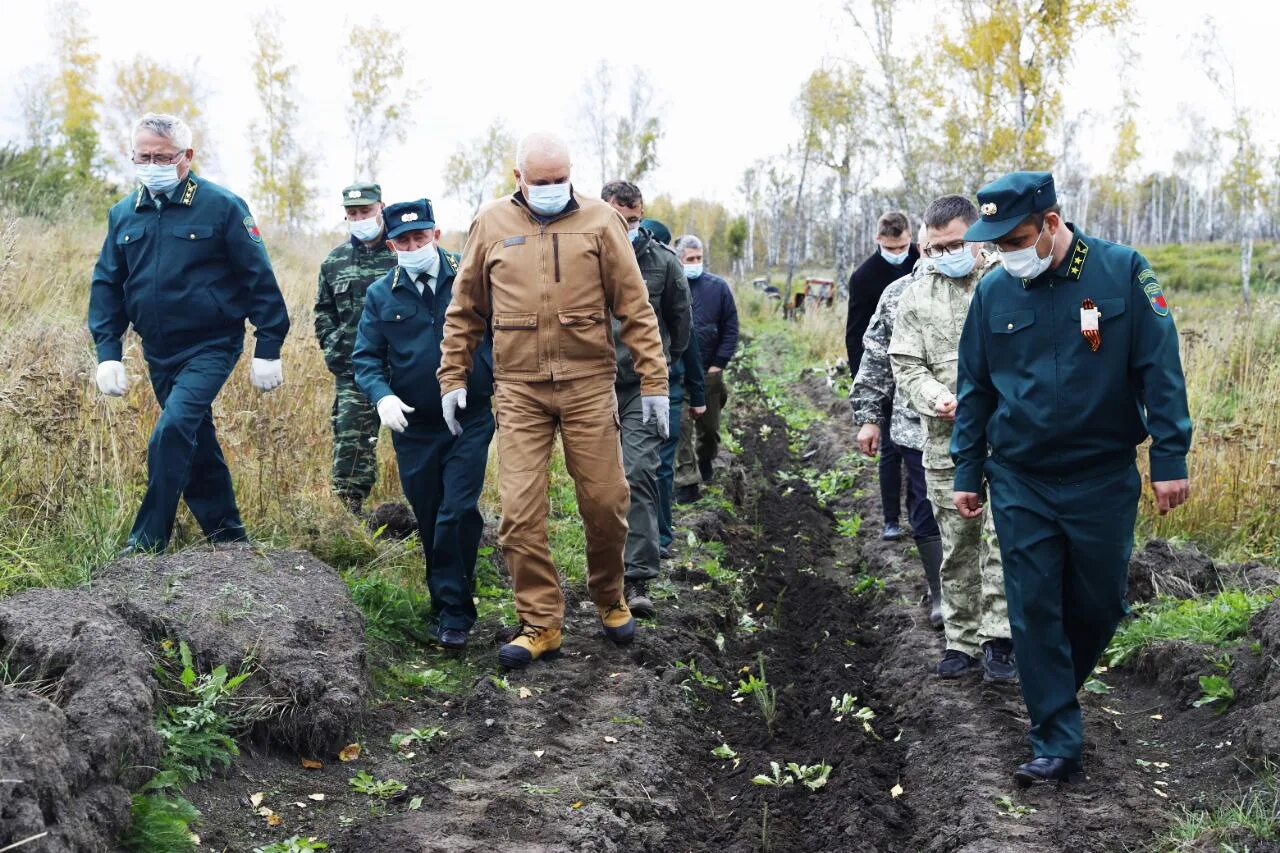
192, 232
397, 313
125, 236
1014, 321
1108, 308
515, 321
581, 317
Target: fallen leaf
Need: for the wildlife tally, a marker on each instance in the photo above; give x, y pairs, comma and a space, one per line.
1161, 793
576, 805
255, 800
760, 607
312, 764
896, 791
301, 805
1157, 716
350, 752
524, 693
538, 753
1111, 710
614, 674
274, 820
415, 804
609, 739
264, 811
195, 839
319, 798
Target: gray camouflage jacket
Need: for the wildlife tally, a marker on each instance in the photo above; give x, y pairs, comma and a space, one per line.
873, 387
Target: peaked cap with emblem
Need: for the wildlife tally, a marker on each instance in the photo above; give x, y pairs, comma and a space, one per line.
1008, 200
409, 216
361, 194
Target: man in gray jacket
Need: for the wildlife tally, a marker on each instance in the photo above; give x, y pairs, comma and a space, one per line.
641, 442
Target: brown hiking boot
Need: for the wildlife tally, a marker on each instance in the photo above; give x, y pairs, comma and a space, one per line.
619, 624
529, 644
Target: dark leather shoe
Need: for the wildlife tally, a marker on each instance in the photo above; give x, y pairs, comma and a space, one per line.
687, 494
638, 600
707, 471
997, 662
665, 552
956, 664
1040, 771
892, 532
452, 638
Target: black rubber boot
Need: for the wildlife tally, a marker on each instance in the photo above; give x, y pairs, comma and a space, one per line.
931, 557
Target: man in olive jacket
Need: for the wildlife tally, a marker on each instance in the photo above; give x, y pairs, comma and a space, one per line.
544, 268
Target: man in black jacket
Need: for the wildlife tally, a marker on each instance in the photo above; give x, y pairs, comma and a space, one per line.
894, 257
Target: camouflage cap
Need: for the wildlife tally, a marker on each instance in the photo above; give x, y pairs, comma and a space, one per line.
361, 194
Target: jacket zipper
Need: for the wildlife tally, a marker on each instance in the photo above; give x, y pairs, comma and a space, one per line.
555, 251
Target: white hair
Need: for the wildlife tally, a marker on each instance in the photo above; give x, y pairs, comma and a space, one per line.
540, 143
170, 127
688, 241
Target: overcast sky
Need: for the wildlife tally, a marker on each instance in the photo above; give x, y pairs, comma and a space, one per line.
726, 75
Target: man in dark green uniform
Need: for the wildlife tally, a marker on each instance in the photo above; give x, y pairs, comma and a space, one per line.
396, 356
345, 275
642, 441
183, 263
1068, 361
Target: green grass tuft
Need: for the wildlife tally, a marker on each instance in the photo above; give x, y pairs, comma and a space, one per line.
1212, 621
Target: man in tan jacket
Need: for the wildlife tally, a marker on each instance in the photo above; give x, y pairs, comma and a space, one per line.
545, 268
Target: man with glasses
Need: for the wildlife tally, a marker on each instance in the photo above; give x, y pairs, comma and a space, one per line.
894, 257
183, 263
1068, 361
926, 337
345, 276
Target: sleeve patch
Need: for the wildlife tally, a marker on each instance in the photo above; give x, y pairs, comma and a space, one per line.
254, 234
1154, 292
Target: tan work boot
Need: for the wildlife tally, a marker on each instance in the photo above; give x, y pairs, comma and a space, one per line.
529, 644
619, 624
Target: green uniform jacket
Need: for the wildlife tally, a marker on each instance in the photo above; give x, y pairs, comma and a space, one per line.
345, 277
184, 274
1032, 390
669, 295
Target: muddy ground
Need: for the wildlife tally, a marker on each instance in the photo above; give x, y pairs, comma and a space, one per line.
609, 749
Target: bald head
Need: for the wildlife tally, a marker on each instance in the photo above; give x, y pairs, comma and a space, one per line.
541, 159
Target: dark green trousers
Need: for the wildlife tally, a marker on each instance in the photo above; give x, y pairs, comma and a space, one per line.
1066, 547
641, 456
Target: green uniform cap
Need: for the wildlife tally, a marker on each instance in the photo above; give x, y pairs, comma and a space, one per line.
361, 194
1008, 200
660, 232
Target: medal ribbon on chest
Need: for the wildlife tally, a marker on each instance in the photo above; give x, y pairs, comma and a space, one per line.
1089, 316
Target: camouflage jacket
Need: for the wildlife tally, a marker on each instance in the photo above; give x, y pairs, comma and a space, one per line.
926, 341
873, 387
345, 275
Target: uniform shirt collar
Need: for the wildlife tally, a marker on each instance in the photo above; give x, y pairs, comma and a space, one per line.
184, 193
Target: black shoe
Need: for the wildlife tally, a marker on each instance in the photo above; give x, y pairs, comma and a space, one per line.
637, 596
452, 638
665, 552
1040, 771
892, 531
687, 494
997, 662
707, 471
956, 664
354, 504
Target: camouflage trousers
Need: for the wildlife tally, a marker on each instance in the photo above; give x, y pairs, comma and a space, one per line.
973, 604
355, 440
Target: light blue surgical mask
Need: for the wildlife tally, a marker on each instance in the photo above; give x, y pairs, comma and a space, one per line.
634, 234
894, 259
956, 264
548, 199
366, 230
156, 178
419, 261
692, 271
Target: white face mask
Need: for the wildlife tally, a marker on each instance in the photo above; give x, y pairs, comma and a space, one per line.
156, 178
1026, 263
548, 199
365, 230
419, 261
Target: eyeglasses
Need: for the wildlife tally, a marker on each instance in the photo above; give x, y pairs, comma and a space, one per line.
157, 159
935, 252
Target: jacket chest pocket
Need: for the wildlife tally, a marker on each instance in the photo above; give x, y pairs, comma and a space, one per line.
1109, 309
198, 240
583, 337
515, 342
406, 326
1013, 337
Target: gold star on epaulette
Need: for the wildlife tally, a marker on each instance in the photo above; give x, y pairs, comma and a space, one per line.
1077, 260
453, 262
190, 192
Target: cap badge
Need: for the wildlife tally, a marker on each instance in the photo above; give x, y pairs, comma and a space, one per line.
989, 209
353, 193
409, 217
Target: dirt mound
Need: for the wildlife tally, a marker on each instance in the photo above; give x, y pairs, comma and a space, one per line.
283, 612
75, 733
395, 520
1160, 569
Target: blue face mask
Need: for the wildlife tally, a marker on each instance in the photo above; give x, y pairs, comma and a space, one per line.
156, 178
548, 199
956, 265
419, 261
894, 259
692, 271
634, 234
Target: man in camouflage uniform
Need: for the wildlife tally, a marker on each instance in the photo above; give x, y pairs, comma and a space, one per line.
931, 315
345, 275
875, 399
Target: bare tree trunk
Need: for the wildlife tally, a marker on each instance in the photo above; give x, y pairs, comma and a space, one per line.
793, 242
1246, 266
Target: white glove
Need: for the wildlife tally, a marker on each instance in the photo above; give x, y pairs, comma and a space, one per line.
451, 403
659, 409
266, 374
112, 380
392, 410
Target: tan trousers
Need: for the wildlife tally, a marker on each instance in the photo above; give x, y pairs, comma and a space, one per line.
586, 412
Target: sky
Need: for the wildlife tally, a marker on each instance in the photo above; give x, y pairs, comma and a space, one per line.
726, 76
